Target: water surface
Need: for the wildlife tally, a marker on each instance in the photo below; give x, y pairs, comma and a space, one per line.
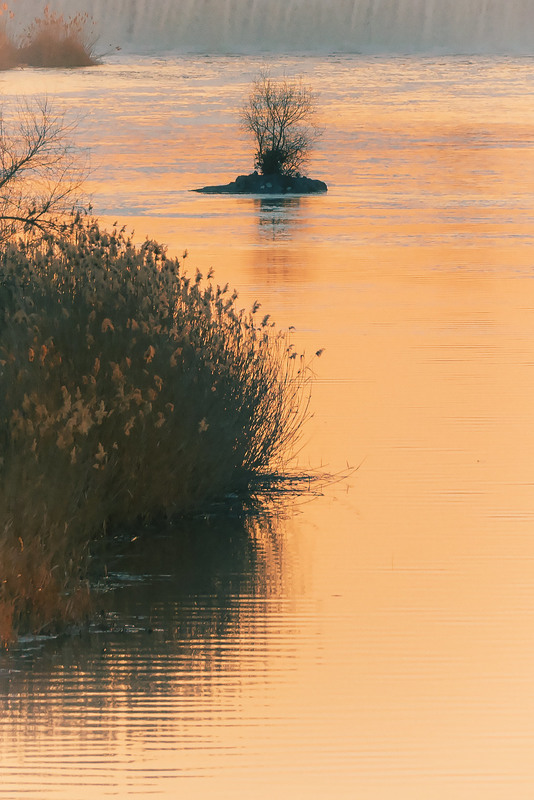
374, 642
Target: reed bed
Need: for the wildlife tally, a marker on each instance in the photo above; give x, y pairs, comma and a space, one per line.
128, 390
51, 40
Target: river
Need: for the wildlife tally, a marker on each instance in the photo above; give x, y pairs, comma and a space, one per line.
369, 637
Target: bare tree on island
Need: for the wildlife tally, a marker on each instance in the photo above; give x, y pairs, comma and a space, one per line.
280, 114
40, 170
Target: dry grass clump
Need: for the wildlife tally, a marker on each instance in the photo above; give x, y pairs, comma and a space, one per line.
127, 390
50, 41
8, 48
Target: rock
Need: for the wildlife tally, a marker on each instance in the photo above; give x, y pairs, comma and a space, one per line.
267, 184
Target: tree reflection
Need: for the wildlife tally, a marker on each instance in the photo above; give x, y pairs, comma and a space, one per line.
278, 216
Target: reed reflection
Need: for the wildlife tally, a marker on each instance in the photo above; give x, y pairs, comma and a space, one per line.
180, 589
191, 616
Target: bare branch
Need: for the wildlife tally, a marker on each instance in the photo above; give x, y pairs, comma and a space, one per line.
279, 114
40, 170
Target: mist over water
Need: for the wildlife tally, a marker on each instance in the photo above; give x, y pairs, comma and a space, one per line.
309, 26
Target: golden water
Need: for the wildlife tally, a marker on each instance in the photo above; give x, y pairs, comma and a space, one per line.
374, 642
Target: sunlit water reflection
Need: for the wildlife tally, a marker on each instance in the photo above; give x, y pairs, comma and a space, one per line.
376, 641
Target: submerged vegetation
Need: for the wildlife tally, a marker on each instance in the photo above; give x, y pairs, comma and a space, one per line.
128, 390
50, 41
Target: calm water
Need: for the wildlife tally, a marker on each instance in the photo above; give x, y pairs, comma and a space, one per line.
373, 642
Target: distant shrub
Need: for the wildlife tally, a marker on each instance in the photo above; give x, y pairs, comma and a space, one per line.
8, 48
53, 41
50, 41
127, 389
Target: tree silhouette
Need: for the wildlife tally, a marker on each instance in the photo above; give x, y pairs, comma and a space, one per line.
279, 113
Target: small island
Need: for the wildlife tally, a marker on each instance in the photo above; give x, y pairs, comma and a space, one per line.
275, 183
279, 116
